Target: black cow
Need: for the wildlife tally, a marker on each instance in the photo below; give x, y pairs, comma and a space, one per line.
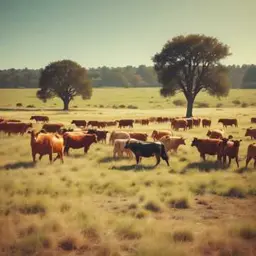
148, 149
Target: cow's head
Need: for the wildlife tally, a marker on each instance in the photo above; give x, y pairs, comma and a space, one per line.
182, 141
208, 133
154, 133
194, 142
127, 144
237, 143
32, 117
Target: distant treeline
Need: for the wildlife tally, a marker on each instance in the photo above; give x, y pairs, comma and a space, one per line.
128, 76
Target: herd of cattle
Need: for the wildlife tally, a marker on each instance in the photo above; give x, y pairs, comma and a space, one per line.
56, 138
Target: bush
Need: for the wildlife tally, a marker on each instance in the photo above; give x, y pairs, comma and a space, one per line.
183, 236
75, 106
244, 105
202, 105
30, 106
19, 105
179, 102
132, 107
219, 105
114, 106
152, 206
236, 102
121, 106
101, 106
178, 203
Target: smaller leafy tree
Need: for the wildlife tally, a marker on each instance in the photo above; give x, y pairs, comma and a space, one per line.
190, 64
64, 79
249, 79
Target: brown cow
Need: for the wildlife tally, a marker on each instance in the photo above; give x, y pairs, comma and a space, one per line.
101, 135
138, 136
46, 144
53, 127
251, 132
111, 123
77, 140
230, 149
215, 134
93, 123
40, 118
157, 135
251, 154
101, 124
179, 124
144, 122
208, 146
196, 121
206, 122
189, 122
228, 122
79, 123
126, 123
16, 127
118, 135
172, 143
253, 120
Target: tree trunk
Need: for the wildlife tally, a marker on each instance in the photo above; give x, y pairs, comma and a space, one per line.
66, 103
190, 102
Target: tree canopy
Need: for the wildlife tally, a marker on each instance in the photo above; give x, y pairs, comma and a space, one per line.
249, 79
190, 64
64, 79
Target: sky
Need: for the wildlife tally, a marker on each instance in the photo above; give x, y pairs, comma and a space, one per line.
114, 33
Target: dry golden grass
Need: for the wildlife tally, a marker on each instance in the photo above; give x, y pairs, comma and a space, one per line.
94, 205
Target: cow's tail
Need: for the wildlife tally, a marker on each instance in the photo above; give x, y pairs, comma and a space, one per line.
163, 152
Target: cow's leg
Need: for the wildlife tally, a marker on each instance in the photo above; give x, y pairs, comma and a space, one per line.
248, 159
50, 156
40, 157
157, 159
229, 161
224, 158
85, 149
203, 156
237, 163
254, 162
66, 150
34, 157
137, 159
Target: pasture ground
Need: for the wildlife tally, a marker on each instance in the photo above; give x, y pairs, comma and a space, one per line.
95, 205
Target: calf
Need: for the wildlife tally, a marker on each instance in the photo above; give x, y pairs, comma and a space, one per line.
228, 122
148, 149
118, 135
119, 148
215, 134
230, 149
138, 136
172, 143
157, 135
206, 122
251, 132
77, 140
208, 146
46, 144
251, 154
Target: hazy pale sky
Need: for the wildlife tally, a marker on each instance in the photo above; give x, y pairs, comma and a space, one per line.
118, 32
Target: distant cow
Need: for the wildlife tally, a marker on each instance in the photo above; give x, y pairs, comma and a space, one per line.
138, 136
144, 122
189, 122
179, 124
253, 120
13, 120
196, 121
101, 135
147, 149
15, 127
251, 132
228, 122
53, 127
206, 122
208, 146
172, 143
111, 123
126, 123
79, 123
78, 140
40, 118
118, 135
93, 123
215, 134
251, 154
157, 135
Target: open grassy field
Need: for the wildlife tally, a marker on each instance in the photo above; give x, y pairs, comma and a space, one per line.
95, 205
142, 98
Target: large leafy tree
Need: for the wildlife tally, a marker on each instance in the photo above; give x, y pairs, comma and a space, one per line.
64, 79
190, 64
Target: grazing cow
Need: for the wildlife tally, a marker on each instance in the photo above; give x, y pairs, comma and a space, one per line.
208, 146
93, 123
46, 144
101, 124
126, 123
189, 122
253, 120
144, 122
137, 121
251, 154
119, 149
152, 119
40, 118
78, 140
196, 121
15, 127
251, 132
228, 122
79, 123
101, 135
53, 127
230, 149
215, 134
138, 136
157, 135
172, 143
147, 149
206, 122
118, 135
159, 120
179, 124
111, 123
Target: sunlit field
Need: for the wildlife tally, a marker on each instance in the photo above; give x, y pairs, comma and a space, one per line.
96, 205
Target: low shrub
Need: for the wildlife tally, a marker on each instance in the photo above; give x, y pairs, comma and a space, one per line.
179, 103
19, 105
